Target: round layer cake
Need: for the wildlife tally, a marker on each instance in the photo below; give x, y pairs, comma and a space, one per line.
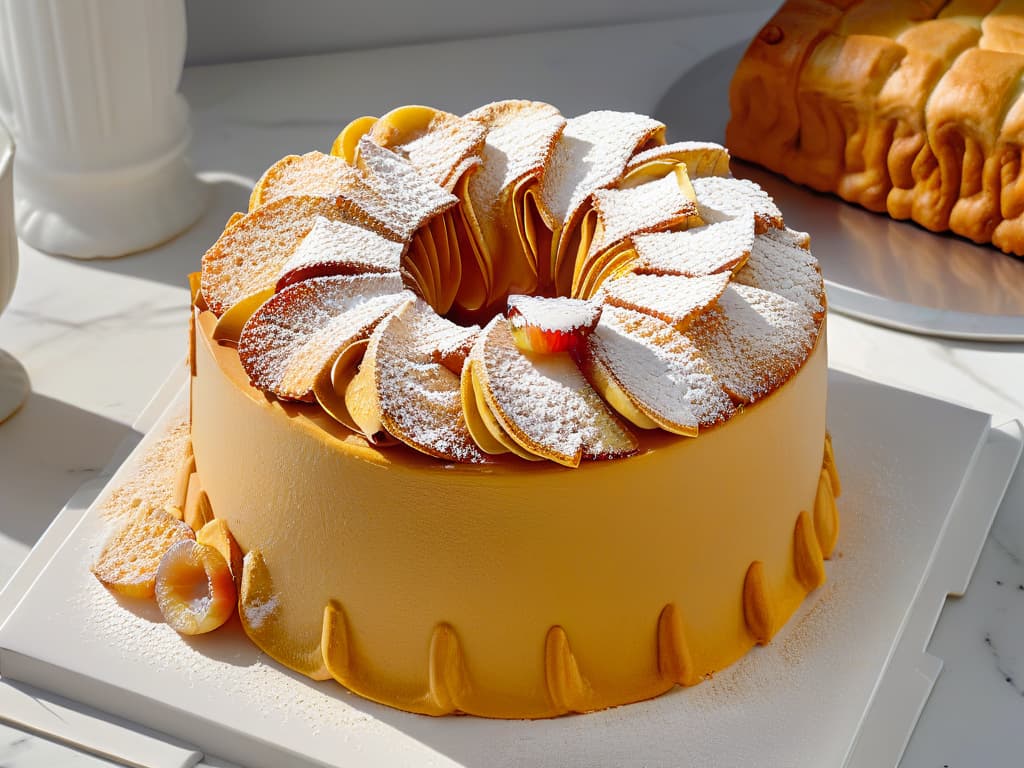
513, 415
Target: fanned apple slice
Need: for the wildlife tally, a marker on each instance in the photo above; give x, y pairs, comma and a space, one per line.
622, 213
313, 173
479, 430
339, 248
660, 372
780, 262
702, 158
544, 403
754, 340
408, 198
591, 153
229, 325
247, 258
440, 145
331, 385
723, 246
449, 344
726, 197
419, 400
346, 144
547, 326
674, 299
290, 340
520, 138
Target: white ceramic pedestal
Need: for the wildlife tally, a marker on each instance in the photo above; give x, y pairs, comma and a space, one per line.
13, 379
89, 90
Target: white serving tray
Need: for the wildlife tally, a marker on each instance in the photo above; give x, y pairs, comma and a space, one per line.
892, 273
841, 685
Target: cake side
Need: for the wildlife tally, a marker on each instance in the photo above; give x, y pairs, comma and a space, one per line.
514, 589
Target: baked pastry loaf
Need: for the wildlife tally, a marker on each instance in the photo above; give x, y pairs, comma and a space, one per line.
911, 108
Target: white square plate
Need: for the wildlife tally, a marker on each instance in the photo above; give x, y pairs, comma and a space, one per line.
842, 683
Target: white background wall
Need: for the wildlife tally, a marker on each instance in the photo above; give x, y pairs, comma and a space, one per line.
235, 30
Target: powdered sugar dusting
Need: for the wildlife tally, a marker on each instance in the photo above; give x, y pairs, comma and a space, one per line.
557, 314
727, 198
716, 247
592, 153
420, 399
407, 198
644, 208
336, 247
155, 482
754, 340
676, 300
295, 335
659, 368
702, 158
544, 402
780, 262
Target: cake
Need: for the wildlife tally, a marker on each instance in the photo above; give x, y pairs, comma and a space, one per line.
910, 108
510, 414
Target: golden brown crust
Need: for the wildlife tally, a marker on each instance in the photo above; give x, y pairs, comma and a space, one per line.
911, 107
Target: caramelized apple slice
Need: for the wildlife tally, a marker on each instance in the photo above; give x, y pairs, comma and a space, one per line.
128, 562
722, 246
248, 256
702, 158
780, 262
292, 338
592, 153
753, 340
544, 403
730, 197
676, 300
194, 588
520, 138
440, 145
548, 326
331, 386
408, 198
339, 248
229, 325
623, 213
657, 370
346, 144
216, 534
419, 400
313, 173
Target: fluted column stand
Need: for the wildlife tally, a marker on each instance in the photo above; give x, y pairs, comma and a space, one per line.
89, 90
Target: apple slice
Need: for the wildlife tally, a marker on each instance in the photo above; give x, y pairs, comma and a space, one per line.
128, 561
544, 403
419, 400
290, 340
248, 256
339, 248
313, 173
674, 299
216, 534
347, 141
721, 246
591, 154
438, 144
754, 340
657, 369
195, 589
702, 158
546, 326
781, 262
726, 197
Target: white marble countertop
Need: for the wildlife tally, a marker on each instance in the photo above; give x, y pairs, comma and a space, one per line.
98, 338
